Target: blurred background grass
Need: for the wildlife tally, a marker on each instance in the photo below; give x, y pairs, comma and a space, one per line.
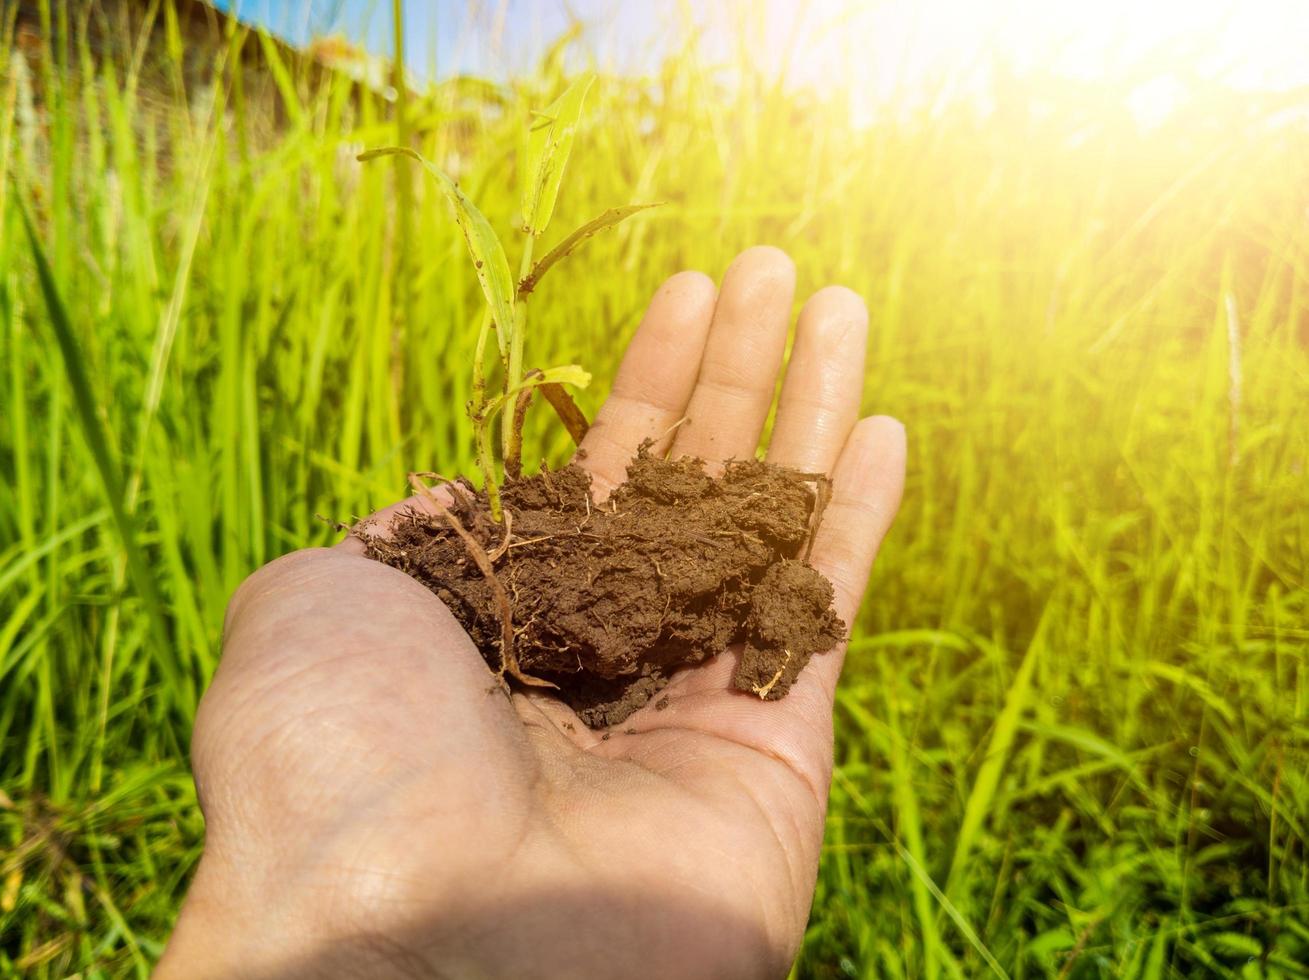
1071, 739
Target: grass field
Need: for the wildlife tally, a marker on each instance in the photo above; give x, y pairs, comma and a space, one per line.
1073, 736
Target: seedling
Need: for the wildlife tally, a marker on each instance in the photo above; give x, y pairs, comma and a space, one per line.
603, 604
548, 145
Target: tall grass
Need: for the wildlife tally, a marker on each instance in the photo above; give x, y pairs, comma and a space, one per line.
1072, 736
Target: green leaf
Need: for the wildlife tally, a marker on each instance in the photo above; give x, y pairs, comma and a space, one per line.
597, 224
487, 253
1182, 678
1237, 943
111, 483
549, 141
567, 374
961, 923
977, 810
1051, 941
1154, 964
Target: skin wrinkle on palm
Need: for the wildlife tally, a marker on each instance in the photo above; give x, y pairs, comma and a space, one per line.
740, 785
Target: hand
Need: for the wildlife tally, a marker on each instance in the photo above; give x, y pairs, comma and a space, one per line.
372, 810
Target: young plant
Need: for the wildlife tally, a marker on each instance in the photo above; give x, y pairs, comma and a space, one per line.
548, 145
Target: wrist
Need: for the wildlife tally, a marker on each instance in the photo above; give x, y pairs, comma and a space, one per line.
229, 927
211, 937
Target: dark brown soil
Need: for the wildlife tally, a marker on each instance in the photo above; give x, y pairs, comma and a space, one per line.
607, 601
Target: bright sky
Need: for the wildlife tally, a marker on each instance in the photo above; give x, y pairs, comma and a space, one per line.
1154, 53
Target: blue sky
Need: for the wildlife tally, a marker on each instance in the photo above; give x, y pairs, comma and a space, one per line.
445, 37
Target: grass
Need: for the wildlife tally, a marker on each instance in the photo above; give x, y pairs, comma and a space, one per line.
1072, 737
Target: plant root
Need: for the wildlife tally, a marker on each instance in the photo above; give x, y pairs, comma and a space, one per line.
823, 493
763, 691
508, 663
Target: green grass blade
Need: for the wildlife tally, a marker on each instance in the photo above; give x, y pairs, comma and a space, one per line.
952, 911
282, 76
978, 807
97, 442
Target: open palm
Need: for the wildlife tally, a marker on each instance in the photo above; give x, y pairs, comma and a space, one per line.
373, 810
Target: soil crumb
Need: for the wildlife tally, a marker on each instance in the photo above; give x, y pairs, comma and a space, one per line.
608, 600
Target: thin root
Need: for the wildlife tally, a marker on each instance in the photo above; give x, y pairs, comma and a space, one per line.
335, 525
763, 691
508, 662
526, 541
823, 488
504, 545
672, 428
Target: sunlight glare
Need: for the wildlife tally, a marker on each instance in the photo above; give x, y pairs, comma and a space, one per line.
1150, 56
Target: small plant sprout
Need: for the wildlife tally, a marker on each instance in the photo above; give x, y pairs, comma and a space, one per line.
548, 145
567, 584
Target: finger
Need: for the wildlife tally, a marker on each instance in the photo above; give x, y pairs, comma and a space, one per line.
742, 356
378, 524
866, 488
824, 382
655, 380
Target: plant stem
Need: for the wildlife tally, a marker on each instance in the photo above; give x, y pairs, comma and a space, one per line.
482, 424
478, 403
487, 465
510, 434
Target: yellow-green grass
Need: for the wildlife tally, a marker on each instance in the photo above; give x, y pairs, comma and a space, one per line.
1071, 738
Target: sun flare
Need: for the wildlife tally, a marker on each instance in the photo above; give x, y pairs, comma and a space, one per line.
1152, 56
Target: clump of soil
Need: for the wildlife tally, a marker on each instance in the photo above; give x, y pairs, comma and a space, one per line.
606, 601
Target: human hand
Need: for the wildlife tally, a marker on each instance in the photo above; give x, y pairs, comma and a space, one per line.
372, 810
